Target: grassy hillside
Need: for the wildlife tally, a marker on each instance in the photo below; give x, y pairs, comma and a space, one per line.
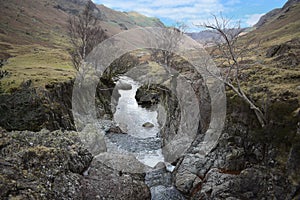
279, 29
34, 41
275, 64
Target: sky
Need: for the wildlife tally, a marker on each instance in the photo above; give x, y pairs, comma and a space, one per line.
193, 12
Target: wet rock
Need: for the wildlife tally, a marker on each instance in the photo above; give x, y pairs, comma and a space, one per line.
115, 129
148, 125
123, 86
159, 176
147, 96
110, 127
186, 180
236, 169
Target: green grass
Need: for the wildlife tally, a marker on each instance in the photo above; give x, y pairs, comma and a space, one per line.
40, 64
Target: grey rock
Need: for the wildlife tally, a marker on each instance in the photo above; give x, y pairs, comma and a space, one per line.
166, 193
104, 182
252, 183
56, 165
50, 168
148, 125
123, 86
33, 109
159, 176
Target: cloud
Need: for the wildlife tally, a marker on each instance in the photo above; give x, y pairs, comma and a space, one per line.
191, 12
253, 19
172, 10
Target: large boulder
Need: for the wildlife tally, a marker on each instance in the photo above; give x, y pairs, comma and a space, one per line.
55, 165
104, 182
42, 165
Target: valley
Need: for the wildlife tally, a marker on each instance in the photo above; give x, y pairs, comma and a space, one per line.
151, 124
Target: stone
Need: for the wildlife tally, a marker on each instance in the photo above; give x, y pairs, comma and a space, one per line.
277, 50
293, 164
56, 165
111, 183
50, 168
115, 129
166, 193
126, 163
123, 86
185, 181
93, 138
148, 125
158, 176
147, 96
252, 183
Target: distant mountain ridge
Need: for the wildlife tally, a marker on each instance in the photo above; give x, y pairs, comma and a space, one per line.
278, 26
276, 13
208, 37
273, 25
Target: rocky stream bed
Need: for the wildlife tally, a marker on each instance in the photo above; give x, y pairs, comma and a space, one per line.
54, 164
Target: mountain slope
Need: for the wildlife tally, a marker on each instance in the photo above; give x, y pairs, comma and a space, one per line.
276, 13
116, 21
273, 69
279, 25
34, 41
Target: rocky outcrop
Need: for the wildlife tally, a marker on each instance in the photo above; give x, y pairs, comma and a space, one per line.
32, 109
277, 50
267, 17
247, 163
285, 53
251, 183
147, 96
232, 170
55, 165
42, 165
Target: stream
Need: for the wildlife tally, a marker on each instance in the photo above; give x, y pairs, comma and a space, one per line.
130, 117
143, 142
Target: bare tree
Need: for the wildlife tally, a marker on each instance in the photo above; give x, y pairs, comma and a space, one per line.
231, 53
171, 38
85, 33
